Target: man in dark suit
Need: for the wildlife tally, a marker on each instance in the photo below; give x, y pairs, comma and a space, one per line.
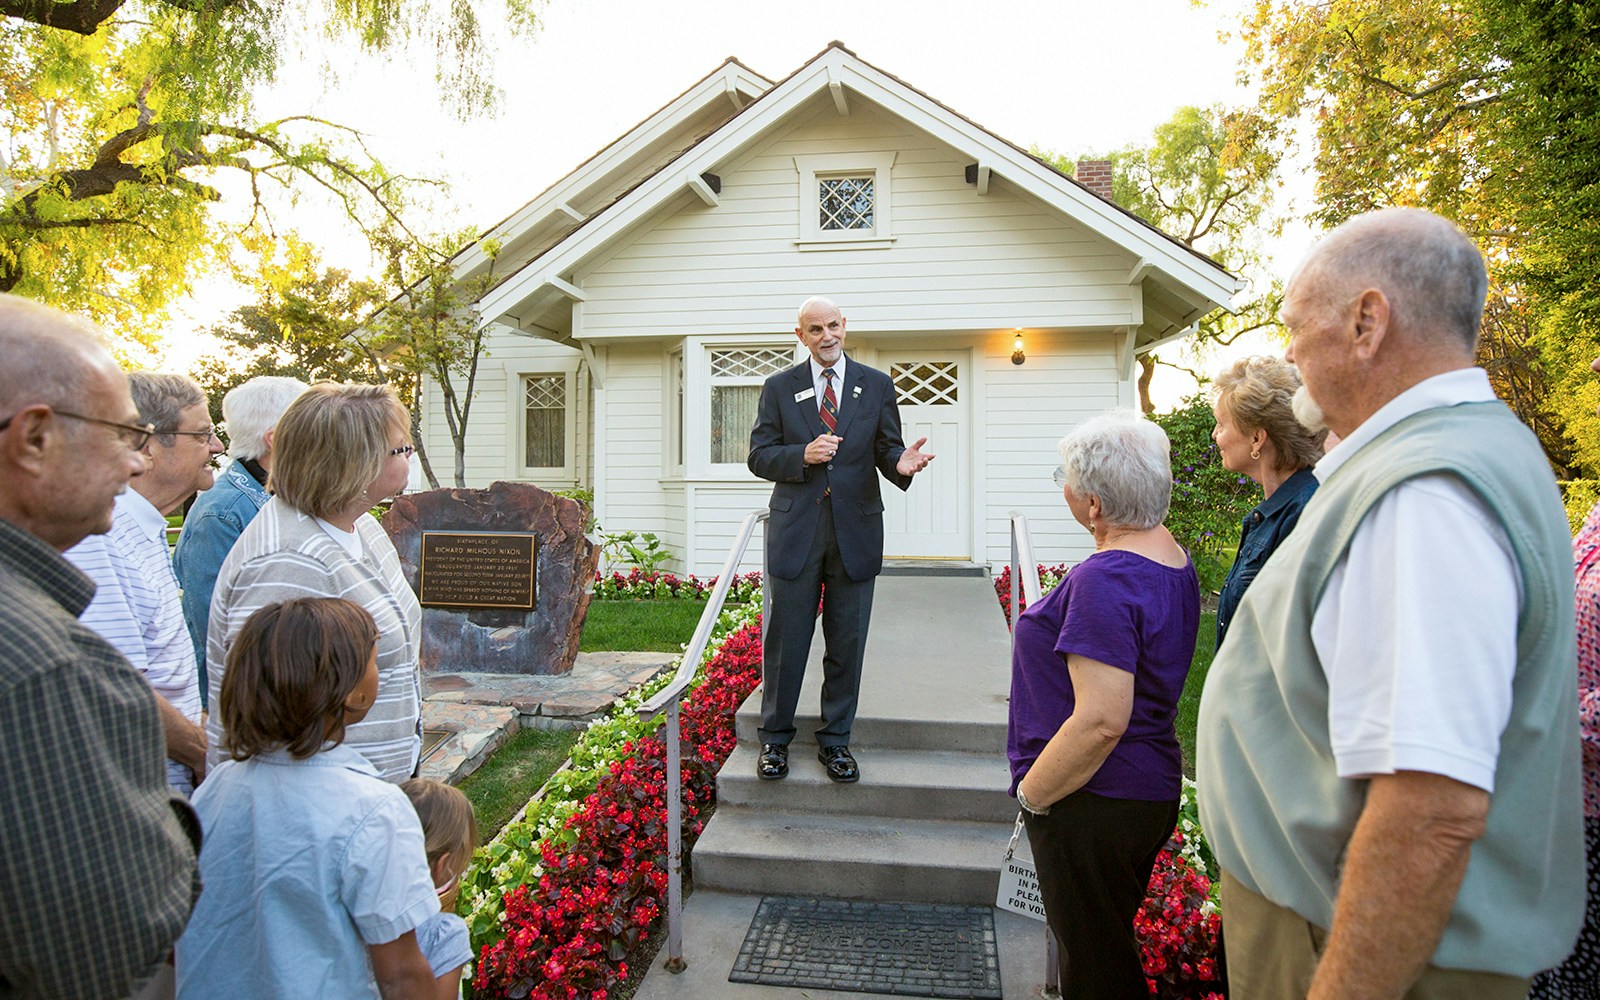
824, 429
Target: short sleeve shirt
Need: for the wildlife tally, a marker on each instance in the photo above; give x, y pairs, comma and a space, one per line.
305, 864
1127, 612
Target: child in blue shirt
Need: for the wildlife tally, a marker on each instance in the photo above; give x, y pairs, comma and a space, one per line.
314, 870
451, 832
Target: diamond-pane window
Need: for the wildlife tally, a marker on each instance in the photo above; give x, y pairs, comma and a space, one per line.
545, 405
925, 383
845, 203
751, 362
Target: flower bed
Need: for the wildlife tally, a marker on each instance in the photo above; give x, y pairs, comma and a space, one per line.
557, 901
640, 585
1178, 925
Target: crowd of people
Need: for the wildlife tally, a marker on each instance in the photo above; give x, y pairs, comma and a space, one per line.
210, 797
210, 782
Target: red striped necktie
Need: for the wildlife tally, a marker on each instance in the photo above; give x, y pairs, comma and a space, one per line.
830, 403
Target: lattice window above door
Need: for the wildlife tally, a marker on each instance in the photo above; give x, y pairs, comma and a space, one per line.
845, 203
925, 383
750, 362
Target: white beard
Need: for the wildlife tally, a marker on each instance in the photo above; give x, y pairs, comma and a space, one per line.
1307, 411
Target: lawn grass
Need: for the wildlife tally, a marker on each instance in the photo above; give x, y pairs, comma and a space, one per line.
1205, 647
508, 779
662, 626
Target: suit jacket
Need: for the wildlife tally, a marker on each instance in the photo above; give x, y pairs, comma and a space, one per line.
869, 423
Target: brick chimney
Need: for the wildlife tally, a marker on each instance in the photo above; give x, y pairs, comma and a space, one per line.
1096, 176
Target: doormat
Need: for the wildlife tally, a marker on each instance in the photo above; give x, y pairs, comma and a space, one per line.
905, 949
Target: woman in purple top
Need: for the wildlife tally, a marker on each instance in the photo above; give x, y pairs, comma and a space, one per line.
1096, 673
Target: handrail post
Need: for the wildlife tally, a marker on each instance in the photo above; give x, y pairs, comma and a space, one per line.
667, 699
675, 962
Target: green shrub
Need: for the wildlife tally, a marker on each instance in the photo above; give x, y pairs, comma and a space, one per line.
1208, 501
1580, 496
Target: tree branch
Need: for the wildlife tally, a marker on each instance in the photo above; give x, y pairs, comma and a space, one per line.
82, 17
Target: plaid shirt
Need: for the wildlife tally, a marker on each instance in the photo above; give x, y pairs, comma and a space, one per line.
97, 874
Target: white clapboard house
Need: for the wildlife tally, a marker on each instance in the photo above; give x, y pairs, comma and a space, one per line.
639, 303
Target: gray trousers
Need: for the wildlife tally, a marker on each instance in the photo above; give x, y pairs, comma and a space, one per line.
846, 612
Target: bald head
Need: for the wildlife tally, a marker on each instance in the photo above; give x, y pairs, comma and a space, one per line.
1427, 269
46, 356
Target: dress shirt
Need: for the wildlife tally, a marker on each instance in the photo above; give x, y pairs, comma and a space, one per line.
820, 384
1417, 626
137, 608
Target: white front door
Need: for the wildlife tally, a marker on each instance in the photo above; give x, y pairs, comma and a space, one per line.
933, 519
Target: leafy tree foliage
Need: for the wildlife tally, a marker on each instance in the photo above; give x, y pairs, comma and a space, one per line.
1207, 178
124, 121
1488, 112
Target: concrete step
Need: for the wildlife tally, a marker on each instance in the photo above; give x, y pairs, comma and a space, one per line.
977, 735
934, 567
898, 784
759, 851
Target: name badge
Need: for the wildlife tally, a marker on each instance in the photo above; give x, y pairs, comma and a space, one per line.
856, 391
801, 397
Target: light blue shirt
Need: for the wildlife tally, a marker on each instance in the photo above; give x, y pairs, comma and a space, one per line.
445, 943
305, 863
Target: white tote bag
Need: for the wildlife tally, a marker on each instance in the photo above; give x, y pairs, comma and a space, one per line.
1019, 883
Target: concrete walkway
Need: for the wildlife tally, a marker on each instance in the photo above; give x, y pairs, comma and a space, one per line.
929, 820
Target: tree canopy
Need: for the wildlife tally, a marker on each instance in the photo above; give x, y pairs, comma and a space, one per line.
125, 121
1487, 112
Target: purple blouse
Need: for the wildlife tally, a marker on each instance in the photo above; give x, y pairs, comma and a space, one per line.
1128, 612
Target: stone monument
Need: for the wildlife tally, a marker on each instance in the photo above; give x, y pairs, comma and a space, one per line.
503, 574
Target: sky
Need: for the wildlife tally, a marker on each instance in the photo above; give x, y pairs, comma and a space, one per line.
1062, 75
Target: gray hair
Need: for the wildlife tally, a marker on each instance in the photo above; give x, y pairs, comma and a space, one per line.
46, 356
1432, 275
251, 409
1126, 461
814, 302
161, 399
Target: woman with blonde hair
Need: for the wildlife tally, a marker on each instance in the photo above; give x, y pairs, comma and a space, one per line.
338, 451
1257, 435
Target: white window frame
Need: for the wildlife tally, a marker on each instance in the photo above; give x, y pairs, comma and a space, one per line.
675, 417
697, 401
516, 441
816, 168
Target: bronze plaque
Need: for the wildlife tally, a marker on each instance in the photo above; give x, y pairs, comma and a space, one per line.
478, 569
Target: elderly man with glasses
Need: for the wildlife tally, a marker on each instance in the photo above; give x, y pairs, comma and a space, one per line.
136, 605
99, 870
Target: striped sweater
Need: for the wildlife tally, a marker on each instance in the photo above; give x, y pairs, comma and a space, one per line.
283, 554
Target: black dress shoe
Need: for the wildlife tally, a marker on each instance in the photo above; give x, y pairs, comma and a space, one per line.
841, 766
773, 762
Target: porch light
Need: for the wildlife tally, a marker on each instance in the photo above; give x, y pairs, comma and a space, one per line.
1017, 357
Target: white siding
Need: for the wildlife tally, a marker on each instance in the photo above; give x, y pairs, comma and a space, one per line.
718, 512
629, 490
959, 261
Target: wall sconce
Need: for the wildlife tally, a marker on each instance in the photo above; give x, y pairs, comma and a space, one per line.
1017, 357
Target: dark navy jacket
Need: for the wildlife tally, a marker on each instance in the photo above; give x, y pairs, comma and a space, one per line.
869, 423
1264, 527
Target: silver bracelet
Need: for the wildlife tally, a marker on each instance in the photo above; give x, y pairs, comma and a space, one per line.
1022, 800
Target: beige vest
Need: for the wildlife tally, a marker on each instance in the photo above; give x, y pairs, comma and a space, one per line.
1271, 803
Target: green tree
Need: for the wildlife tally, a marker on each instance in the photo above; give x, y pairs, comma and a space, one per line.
1207, 178
1487, 112
122, 122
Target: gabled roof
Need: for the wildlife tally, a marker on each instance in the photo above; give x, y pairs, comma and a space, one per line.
1180, 284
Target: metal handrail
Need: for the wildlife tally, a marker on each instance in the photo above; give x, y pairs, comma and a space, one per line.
668, 698
1025, 583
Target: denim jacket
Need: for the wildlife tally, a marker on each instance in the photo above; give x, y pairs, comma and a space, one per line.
214, 523
1264, 527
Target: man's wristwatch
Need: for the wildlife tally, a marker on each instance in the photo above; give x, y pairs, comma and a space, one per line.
1022, 800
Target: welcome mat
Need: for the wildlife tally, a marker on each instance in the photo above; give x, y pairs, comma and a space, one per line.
906, 949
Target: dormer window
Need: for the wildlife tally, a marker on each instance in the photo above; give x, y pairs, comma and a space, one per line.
844, 201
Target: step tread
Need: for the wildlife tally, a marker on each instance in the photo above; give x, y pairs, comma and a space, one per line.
883, 766
801, 838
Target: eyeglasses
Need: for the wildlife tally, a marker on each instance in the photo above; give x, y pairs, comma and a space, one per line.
1060, 477
135, 436
406, 449
205, 433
